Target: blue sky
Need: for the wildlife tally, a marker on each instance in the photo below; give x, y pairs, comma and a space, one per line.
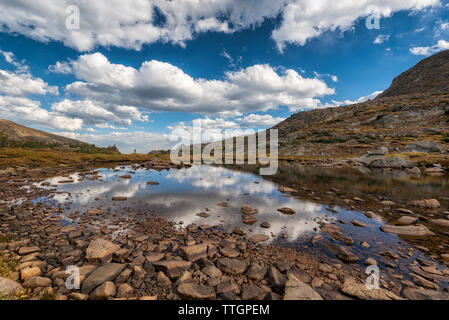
134, 78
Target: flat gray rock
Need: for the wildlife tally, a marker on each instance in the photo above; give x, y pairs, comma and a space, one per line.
108, 272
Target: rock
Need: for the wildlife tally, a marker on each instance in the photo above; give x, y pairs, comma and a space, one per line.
399, 163
27, 250
247, 210
371, 157
34, 282
426, 204
265, 225
387, 203
162, 279
441, 222
232, 266
78, 296
155, 256
195, 291
123, 276
420, 281
253, 292
223, 204
100, 250
148, 298
185, 276
173, 268
422, 294
194, 253
295, 289
203, 215
445, 256
212, 271
119, 198
249, 220
287, 211
104, 291
108, 272
370, 262
9, 287
276, 279
361, 291
413, 231
256, 272
413, 171
229, 252
30, 272
126, 176
407, 220
335, 233
124, 291
370, 214
316, 283
94, 212
340, 252
326, 268
153, 183
283, 189
359, 224
424, 146
239, 231
258, 238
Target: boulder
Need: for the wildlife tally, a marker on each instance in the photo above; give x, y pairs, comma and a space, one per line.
295, 289
413, 231
195, 291
9, 287
124, 291
258, 238
407, 220
424, 146
342, 253
104, 291
426, 204
287, 211
108, 272
232, 266
361, 291
101, 250
34, 282
173, 268
253, 292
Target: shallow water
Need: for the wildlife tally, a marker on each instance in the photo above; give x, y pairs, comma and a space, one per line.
182, 193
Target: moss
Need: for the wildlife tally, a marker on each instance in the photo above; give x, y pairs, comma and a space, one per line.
6, 238
7, 266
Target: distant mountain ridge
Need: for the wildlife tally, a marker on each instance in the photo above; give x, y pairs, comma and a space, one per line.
16, 135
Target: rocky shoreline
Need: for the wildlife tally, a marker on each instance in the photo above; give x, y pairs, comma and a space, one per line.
143, 256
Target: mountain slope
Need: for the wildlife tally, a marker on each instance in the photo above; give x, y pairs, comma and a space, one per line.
17, 136
415, 107
431, 75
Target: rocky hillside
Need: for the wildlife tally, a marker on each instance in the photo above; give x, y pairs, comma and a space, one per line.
17, 136
431, 75
413, 109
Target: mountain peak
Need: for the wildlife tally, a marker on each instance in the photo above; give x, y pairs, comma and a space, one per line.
431, 75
